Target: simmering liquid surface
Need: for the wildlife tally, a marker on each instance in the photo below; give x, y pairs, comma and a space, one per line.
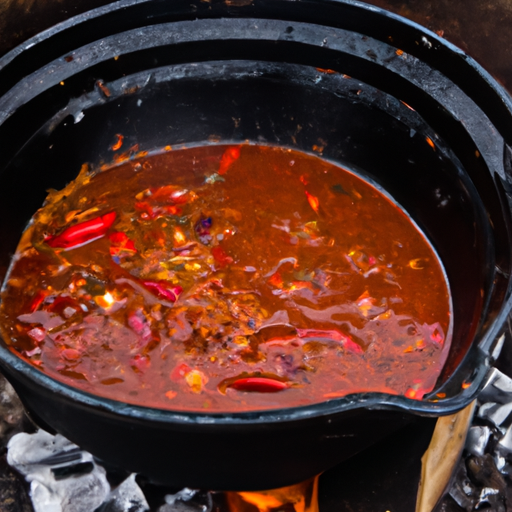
227, 278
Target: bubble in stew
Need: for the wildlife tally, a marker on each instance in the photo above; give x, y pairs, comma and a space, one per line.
227, 278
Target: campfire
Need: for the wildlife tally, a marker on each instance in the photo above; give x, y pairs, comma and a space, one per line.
64, 478
58, 476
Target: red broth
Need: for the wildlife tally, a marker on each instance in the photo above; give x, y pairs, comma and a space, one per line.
227, 278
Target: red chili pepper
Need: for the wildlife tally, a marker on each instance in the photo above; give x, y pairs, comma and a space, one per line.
169, 194
228, 158
313, 201
331, 334
37, 301
121, 244
259, 384
221, 257
83, 233
164, 289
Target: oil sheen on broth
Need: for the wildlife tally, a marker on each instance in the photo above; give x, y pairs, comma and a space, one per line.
227, 278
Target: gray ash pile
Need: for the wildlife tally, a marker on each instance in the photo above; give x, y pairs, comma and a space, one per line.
483, 478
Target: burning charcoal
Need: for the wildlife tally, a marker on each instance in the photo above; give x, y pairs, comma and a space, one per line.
495, 413
483, 472
81, 468
448, 504
62, 478
70, 454
498, 388
461, 498
477, 440
509, 497
463, 490
187, 500
127, 497
493, 499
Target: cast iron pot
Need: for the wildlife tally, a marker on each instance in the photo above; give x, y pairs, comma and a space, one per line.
380, 94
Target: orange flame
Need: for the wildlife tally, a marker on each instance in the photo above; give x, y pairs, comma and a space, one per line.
303, 497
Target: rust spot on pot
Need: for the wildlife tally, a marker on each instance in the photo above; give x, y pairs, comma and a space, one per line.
103, 88
238, 3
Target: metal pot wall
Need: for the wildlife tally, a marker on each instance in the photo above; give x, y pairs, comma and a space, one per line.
240, 70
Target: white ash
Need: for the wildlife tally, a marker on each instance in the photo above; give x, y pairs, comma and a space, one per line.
126, 497
498, 388
497, 414
188, 500
64, 478
185, 494
477, 440
485, 471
